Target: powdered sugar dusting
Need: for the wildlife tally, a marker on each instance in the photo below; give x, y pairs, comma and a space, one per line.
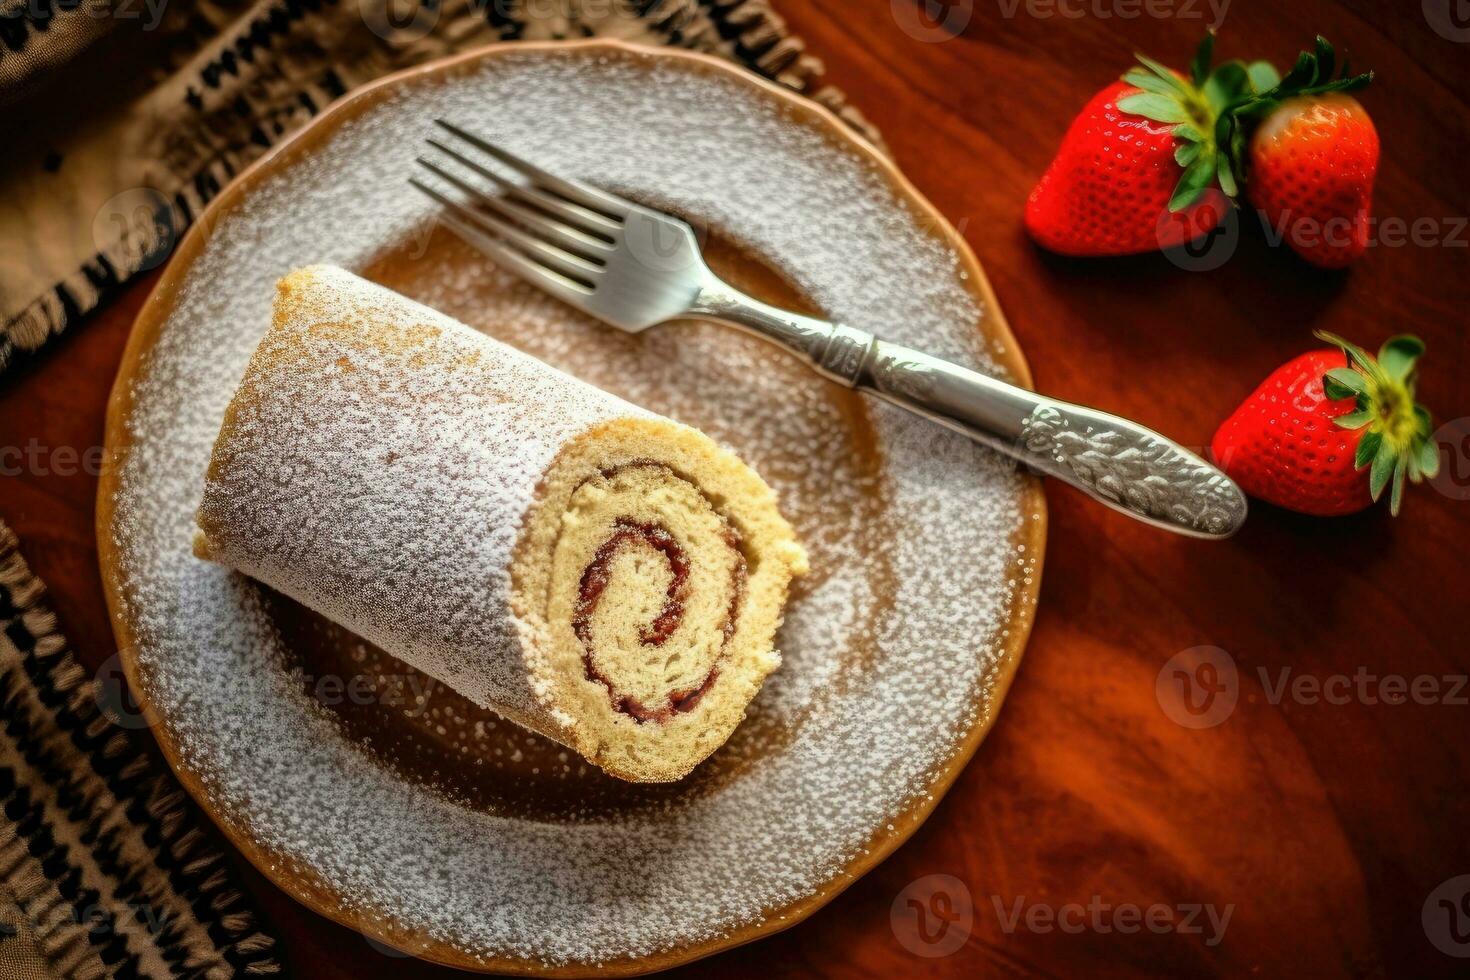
890, 650
444, 417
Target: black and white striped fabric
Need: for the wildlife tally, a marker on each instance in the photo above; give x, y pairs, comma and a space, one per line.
122, 118
107, 869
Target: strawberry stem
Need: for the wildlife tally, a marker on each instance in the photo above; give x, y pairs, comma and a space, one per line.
1311, 75
1397, 440
1195, 105
1212, 108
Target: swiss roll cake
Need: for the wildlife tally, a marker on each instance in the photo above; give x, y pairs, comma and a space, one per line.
590, 570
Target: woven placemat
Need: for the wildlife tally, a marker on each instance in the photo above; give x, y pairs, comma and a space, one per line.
121, 128
107, 869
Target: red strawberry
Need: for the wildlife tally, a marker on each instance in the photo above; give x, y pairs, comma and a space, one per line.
1108, 190
1153, 161
1312, 165
1139, 168
1328, 430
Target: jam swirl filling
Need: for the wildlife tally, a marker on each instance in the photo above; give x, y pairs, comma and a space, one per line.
627, 533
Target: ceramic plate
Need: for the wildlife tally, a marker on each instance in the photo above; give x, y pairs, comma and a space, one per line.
391, 804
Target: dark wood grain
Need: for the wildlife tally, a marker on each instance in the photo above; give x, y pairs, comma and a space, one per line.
1323, 826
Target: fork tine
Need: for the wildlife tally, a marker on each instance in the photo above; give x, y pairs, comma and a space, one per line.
567, 263
563, 288
573, 190
583, 227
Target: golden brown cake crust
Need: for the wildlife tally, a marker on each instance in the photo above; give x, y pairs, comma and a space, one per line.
459, 503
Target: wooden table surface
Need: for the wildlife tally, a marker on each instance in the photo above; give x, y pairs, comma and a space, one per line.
1319, 815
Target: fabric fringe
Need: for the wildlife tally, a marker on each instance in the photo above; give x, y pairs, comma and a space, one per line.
114, 869
241, 77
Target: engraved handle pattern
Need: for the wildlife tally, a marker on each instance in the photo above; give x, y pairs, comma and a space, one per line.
1124, 465
1136, 470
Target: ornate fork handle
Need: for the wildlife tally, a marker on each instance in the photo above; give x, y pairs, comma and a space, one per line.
1120, 463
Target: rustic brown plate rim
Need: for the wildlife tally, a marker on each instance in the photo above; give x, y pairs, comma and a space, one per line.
156, 311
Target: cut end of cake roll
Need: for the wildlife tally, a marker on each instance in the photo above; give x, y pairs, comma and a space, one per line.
589, 570
651, 576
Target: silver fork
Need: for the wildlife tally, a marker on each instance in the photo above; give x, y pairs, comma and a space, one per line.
634, 267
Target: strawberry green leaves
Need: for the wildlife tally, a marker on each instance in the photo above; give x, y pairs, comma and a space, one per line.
1397, 444
1344, 383
1211, 109
1158, 107
1428, 455
1313, 75
1197, 178
1368, 448
1227, 86
1199, 107
1384, 462
1199, 68
1225, 174
1398, 355
1263, 75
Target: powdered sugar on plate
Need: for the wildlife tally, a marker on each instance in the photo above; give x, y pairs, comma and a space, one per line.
891, 652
